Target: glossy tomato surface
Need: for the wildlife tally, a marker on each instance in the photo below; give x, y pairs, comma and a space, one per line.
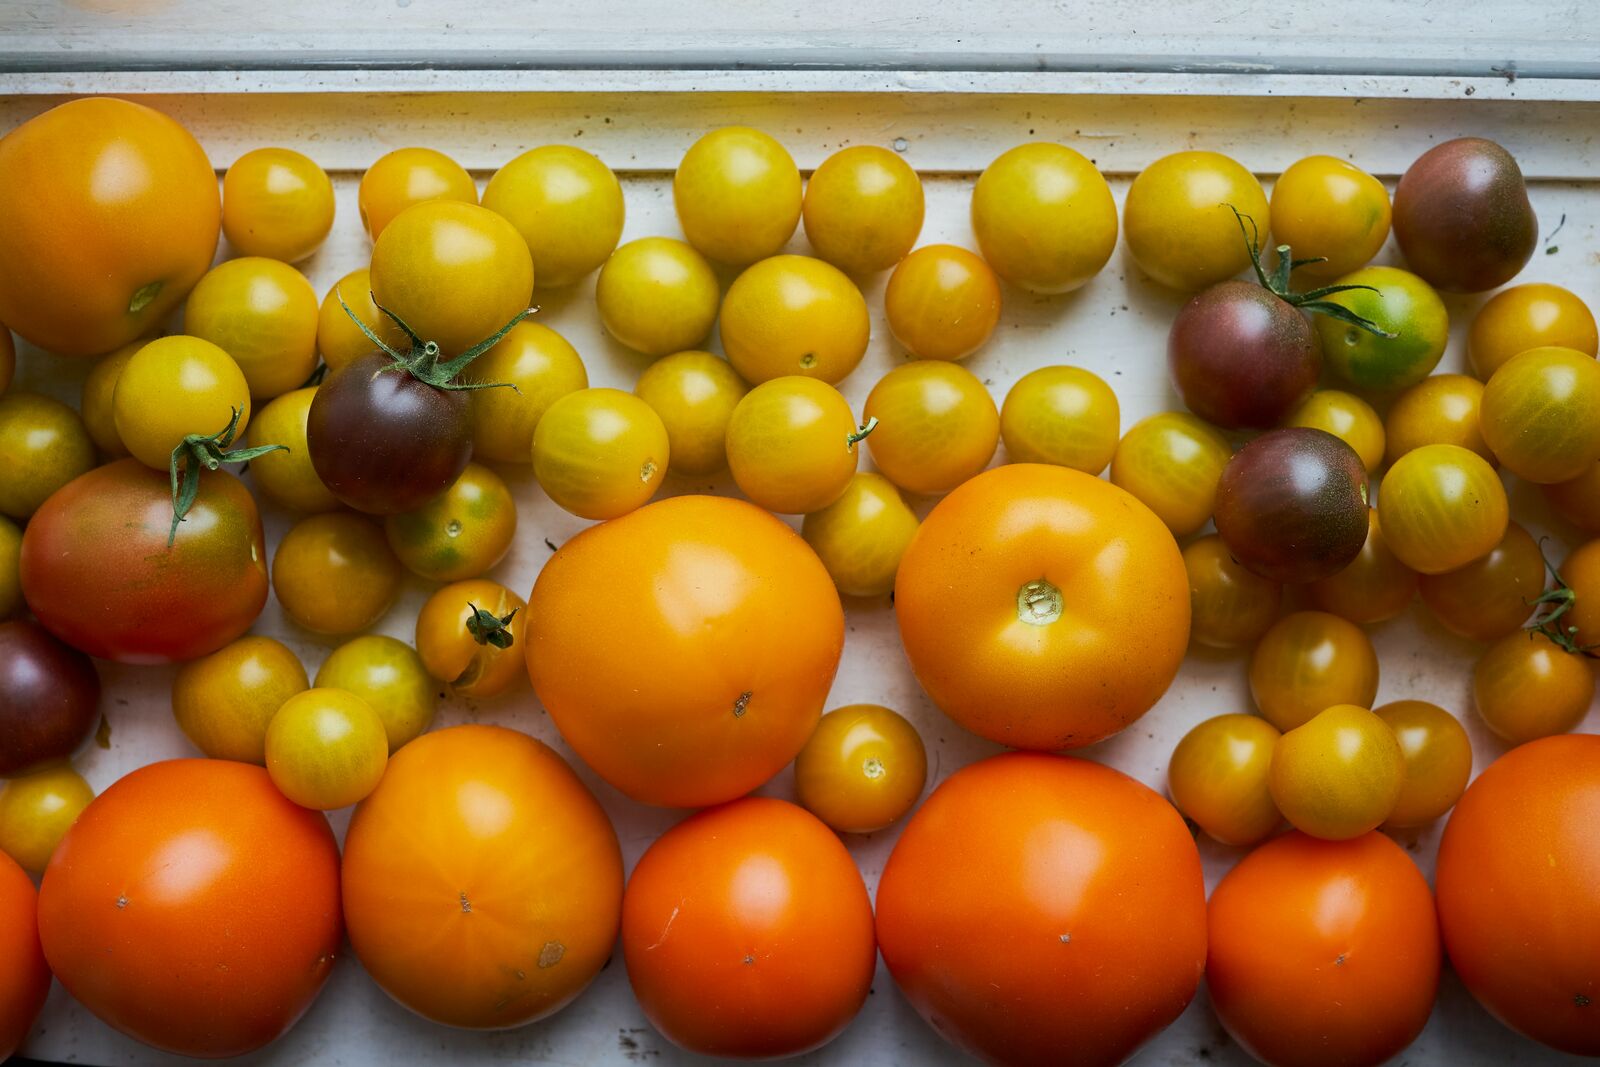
24, 976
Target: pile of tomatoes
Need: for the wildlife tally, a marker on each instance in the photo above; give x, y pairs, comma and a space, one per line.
1036, 907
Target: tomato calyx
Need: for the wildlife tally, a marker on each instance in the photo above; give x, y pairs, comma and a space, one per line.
1039, 602
860, 434
208, 452
423, 361
487, 628
1278, 284
1550, 606
143, 295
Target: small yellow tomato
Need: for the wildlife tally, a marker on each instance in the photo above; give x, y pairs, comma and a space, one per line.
1179, 219
1325, 207
542, 366
1172, 462
1339, 775
10, 568
1541, 414
1309, 661
600, 453
263, 313
224, 701
1578, 500
863, 209
390, 676
326, 749
862, 536
1439, 410
1526, 687
737, 193
792, 445
942, 302
410, 176
1373, 587
174, 387
339, 339
97, 403
469, 635
334, 573
1218, 778
287, 476
694, 393
36, 811
936, 426
1442, 507
1044, 217
1229, 607
794, 315
657, 296
1438, 758
43, 446
1062, 415
276, 203
1535, 315
1348, 418
1493, 595
460, 533
863, 767
566, 204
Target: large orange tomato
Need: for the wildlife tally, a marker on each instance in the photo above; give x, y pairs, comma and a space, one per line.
119, 219
1323, 952
1043, 907
685, 650
192, 907
747, 932
24, 977
1519, 890
1043, 608
482, 881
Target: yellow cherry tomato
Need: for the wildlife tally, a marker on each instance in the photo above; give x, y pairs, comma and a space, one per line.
1541, 414
1339, 775
1062, 415
43, 446
1230, 607
694, 393
1180, 229
1439, 410
1578, 500
566, 204
1373, 587
1442, 507
10, 568
737, 193
794, 315
542, 366
287, 476
1526, 687
600, 453
224, 701
936, 426
460, 533
390, 676
174, 387
36, 811
1493, 595
326, 749
657, 296
863, 767
410, 176
334, 573
863, 209
339, 339
1438, 759
469, 635
862, 536
1536, 315
1309, 661
263, 313
1172, 462
97, 403
792, 445
1044, 217
942, 302
1218, 779
1348, 418
1323, 206
276, 203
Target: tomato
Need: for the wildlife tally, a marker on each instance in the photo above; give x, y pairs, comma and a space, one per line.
1339, 774
737, 194
695, 393
408, 176
1325, 207
263, 313
224, 701
10, 568
1442, 507
120, 221
863, 209
36, 809
1042, 608
712, 679
1518, 866
1229, 606
174, 387
480, 825
97, 402
1062, 415
339, 339
1172, 463
1526, 687
1581, 573
1179, 219
747, 932
1044, 217
936, 426
460, 534
326, 749
861, 537
390, 676
1491, 596
1373, 587
1218, 778
793, 315
43, 446
1323, 953
543, 367
566, 204
1534, 315
470, 635
1578, 500
1348, 418
862, 769
1438, 760
1442, 409
98, 571
49, 697
1241, 356
1309, 661
1541, 414
942, 302
1399, 303
791, 445
24, 975
1090, 881
334, 573
276, 203
288, 476
657, 296
600, 453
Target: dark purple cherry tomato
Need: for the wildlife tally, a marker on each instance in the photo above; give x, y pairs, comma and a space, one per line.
1462, 216
49, 697
1242, 357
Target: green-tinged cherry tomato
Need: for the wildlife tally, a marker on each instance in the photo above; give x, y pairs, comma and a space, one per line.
862, 769
1338, 775
1044, 217
410, 176
1541, 414
1229, 606
1373, 587
942, 302
1399, 303
1442, 409
43, 446
695, 393
10, 568
861, 537
657, 296
600, 453
287, 476
37, 809
1493, 595
936, 426
1578, 500
459, 534
1442, 507
1348, 418
1172, 463
1438, 758
339, 339
1581, 573
224, 701
1062, 415
469, 635
335, 573
794, 315
326, 749
1179, 219
1534, 315
542, 367
97, 402
276, 203
792, 445
264, 314
863, 209
174, 387
1308, 662
737, 193
566, 204
1218, 778
390, 676
1525, 687
1324, 207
